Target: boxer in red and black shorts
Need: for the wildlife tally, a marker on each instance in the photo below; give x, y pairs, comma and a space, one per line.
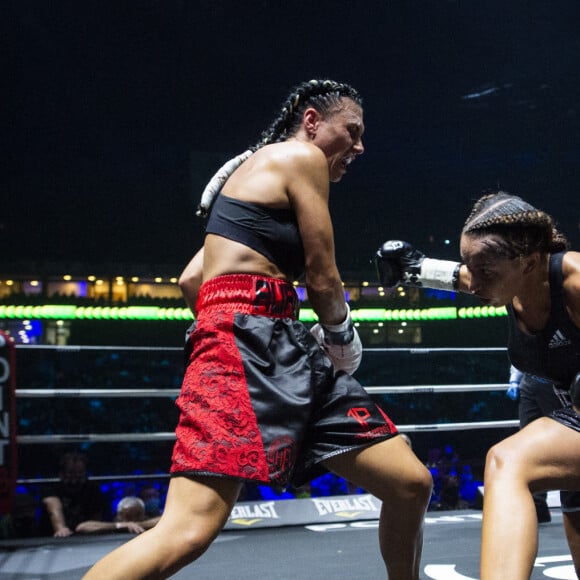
260, 400
264, 399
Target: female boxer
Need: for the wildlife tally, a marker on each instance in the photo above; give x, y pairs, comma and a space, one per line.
263, 400
513, 255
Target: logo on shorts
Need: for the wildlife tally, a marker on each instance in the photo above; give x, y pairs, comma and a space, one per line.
362, 414
281, 458
276, 299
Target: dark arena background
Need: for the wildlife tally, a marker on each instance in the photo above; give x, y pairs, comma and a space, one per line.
114, 117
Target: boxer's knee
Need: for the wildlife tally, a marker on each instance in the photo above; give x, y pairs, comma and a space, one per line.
420, 485
502, 461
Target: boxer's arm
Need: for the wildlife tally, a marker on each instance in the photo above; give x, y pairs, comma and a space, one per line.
308, 191
191, 279
398, 262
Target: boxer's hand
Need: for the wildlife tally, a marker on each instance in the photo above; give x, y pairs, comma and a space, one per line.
399, 263
341, 342
513, 390
391, 259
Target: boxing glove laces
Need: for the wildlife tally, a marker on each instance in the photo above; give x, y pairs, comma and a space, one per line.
398, 262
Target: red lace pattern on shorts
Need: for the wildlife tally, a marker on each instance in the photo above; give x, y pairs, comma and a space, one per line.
217, 430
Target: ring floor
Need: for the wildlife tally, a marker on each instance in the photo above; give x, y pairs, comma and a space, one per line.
342, 551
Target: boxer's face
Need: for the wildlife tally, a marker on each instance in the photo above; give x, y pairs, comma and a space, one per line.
494, 278
339, 135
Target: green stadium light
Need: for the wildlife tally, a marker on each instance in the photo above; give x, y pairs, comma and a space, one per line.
157, 313
482, 312
308, 315
366, 314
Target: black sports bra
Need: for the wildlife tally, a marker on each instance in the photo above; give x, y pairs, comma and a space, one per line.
271, 232
554, 352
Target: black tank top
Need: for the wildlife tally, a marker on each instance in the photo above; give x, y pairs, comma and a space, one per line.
554, 352
271, 232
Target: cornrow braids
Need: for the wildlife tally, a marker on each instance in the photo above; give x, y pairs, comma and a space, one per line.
216, 183
523, 229
323, 95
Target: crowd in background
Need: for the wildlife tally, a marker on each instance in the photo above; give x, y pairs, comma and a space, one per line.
455, 461
130, 506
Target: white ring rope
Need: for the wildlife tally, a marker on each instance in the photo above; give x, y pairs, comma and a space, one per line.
170, 436
411, 389
376, 349
144, 392
138, 477
95, 438
78, 392
379, 349
507, 424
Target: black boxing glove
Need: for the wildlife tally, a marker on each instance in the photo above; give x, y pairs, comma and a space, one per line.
398, 262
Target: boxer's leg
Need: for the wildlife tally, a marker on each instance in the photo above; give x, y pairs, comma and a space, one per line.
537, 399
194, 514
572, 528
543, 455
393, 473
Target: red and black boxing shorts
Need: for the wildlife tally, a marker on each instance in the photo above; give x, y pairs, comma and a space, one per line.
260, 401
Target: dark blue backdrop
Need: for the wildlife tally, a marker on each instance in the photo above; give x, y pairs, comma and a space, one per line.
117, 113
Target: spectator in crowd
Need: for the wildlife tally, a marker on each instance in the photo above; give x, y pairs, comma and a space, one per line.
449, 496
72, 500
452, 480
151, 497
131, 517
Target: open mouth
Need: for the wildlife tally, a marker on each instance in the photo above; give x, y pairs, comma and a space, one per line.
346, 161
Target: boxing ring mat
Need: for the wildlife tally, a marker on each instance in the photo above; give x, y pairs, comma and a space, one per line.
344, 549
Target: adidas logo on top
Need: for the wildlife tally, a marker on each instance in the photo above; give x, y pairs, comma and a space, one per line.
558, 340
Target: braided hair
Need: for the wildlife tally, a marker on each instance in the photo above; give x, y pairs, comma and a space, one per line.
323, 95
522, 228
